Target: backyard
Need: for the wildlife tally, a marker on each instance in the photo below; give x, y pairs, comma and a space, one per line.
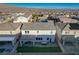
38, 49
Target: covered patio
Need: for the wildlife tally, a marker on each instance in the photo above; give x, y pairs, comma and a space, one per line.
7, 42
69, 40
35, 43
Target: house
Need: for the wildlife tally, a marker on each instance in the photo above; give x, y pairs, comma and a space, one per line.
67, 20
66, 15
38, 33
2, 19
68, 36
70, 33
5, 18
9, 34
17, 14
22, 18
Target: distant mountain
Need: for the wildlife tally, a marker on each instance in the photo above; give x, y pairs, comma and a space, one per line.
13, 9
7, 8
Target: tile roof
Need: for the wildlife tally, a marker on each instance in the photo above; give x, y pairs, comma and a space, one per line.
67, 20
9, 26
38, 26
72, 26
61, 25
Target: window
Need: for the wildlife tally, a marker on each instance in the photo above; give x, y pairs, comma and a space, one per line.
51, 32
26, 31
41, 38
10, 32
38, 38
37, 31
74, 32
67, 32
47, 38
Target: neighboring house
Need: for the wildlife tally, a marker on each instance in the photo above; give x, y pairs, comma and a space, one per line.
17, 14
68, 36
22, 18
70, 33
67, 20
9, 34
42, 33
66, 15
5, 19
2, 19
13, 15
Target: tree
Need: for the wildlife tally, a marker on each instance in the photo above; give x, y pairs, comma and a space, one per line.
35, 18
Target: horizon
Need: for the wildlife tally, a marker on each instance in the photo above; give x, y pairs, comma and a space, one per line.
46, 5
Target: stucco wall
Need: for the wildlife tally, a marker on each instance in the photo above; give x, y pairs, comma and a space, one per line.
70, 32
39, 32
33, 38
5, 32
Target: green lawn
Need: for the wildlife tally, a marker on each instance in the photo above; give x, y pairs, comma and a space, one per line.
38, 49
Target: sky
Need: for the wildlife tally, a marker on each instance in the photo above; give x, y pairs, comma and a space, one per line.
45, 5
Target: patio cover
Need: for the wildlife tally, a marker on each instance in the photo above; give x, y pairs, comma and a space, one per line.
7, 38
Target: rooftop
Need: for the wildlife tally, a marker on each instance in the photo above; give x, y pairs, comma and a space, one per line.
67, 20
61, 25
9, 26
72, 26
39, 26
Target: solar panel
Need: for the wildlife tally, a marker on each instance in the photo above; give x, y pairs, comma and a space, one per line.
74, 26
75, 17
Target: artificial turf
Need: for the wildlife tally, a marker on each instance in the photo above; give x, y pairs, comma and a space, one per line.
38, 49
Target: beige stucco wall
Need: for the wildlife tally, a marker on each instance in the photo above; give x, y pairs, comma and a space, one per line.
5, 32
71, 32
39, 32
